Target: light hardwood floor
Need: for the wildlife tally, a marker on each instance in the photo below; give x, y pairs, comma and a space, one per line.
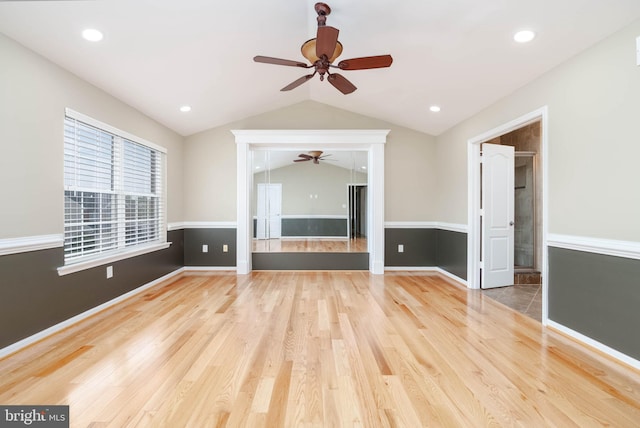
284, 349
310, 245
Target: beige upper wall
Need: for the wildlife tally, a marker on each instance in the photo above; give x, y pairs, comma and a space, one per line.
594, 106
310, 189
34, 94
210, 159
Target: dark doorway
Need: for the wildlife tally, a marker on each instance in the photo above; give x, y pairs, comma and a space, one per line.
357, 211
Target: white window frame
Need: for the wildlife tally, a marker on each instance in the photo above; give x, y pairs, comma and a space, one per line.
121, 251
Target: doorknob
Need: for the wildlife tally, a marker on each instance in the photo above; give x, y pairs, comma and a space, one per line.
511, 223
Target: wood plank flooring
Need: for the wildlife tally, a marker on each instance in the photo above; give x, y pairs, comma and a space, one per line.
310, 245
319, 349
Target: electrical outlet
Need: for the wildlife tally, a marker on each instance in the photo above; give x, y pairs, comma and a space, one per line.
205, 248
109, 272
225, 248
400, 248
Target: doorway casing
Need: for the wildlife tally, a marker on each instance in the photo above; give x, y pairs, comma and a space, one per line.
474, 193
370, 140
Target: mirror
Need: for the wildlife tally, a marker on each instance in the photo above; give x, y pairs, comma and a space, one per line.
309, 201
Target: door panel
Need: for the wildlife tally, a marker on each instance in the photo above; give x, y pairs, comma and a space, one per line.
269, 211
275, 211
497, 221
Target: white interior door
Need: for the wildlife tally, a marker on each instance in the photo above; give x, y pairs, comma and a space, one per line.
275, 210
269, 211
498, 215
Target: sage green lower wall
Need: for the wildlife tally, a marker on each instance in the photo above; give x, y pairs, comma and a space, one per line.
33, 297
423, 247
310, 227
427, 248
310, 261
452, 252
598, 296
215, 240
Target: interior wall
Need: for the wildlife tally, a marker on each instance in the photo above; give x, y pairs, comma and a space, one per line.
300, 181
35, 93
592, 133
592, 285
210, 179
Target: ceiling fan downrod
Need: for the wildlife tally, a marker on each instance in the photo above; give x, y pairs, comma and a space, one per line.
323, 10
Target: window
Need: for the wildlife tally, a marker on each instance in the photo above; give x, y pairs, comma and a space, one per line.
113, 191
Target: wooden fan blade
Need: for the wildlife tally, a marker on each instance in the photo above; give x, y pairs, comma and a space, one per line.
278, 61
366, 62
341, 84
302, 160
306, 157
297, 82
326, 41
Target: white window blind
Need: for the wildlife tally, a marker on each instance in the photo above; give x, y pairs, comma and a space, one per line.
113, 194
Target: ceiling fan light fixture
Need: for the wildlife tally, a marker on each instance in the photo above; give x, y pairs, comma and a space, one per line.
321, 52
308, 50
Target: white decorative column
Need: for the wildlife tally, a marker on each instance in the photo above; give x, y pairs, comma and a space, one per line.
243, 235
376, 209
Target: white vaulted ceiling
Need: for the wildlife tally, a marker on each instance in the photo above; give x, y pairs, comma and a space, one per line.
459, 54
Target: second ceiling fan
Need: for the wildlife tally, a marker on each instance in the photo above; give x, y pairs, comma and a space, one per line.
322, 51
315, 155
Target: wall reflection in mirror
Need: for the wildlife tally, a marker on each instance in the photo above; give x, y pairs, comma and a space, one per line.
309, 201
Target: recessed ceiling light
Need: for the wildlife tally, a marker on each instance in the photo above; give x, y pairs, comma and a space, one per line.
363, 167
185, 109
92, 35
434, 109
524, 36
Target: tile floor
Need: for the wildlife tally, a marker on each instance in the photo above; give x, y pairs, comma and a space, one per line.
524, 298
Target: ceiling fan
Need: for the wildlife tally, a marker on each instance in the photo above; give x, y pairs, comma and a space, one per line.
322, 51
315, 156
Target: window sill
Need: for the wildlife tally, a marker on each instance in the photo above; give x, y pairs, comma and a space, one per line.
88, 264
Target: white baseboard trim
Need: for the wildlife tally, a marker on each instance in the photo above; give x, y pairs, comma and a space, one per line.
314, 216
30, 243
452, 276
410, 225
410, 268
594, 344
608, 247
426, 269
453, 227
209, 268
82, 316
